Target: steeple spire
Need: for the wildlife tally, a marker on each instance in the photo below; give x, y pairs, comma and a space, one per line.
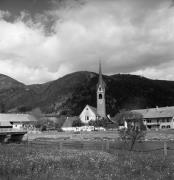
100, 80
100, 73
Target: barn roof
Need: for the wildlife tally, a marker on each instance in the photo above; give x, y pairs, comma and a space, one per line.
68, 122
156, 112
17, 117
5, 124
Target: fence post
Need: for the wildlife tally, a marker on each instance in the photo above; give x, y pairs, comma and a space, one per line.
102, 148
60, 145
165, 149
107, 146
27, 142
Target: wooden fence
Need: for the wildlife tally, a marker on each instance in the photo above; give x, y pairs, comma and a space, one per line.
108, 146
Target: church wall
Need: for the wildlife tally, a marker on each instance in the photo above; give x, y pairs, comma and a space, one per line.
87, 115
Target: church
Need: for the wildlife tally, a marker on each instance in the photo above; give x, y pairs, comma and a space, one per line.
91, 113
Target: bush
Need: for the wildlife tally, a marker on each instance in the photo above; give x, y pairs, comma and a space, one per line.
103, 122
77, 123
43, 128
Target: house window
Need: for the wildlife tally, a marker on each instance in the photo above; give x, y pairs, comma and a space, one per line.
87, 118
86, 108
168, 126
100, 96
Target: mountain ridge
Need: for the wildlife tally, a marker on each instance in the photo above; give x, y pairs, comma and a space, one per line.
69, 94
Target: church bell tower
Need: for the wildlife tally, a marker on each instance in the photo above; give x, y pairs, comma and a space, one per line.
101, 106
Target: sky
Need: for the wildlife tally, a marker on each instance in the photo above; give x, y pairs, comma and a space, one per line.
43, 40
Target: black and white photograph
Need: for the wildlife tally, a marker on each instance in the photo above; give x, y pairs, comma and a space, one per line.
86, 89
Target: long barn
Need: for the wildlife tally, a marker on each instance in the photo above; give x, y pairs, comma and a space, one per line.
158, 118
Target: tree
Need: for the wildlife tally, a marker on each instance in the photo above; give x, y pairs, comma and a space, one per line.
41, 120
135, 130
24, 109
77, 123
59, 122
102, 122
2, 108
37, 113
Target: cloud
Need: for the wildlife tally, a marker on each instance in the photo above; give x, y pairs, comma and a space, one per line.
130, 36
4, 14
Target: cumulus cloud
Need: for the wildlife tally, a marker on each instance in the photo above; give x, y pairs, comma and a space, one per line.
130, 36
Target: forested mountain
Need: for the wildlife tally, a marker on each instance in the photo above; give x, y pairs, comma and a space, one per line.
68, 95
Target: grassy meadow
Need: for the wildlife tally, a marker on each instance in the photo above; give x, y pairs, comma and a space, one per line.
34, 162
43, 159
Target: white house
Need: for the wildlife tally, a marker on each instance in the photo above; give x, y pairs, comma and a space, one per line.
158, 118
89, 113
5, 124
17, 121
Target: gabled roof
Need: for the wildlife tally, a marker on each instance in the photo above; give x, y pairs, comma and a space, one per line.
156, 112
69, 121
17, 117
93, 109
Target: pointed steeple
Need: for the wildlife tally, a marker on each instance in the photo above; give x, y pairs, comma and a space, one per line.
100, 80
100, 74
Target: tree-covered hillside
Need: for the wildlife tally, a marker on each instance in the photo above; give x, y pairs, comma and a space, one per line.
69, 94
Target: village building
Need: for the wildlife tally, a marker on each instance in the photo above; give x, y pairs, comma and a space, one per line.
17, 121
88, 114
67, 125
91, 113
5, 125
157, 118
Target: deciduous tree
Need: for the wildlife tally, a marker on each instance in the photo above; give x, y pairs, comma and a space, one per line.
135, 130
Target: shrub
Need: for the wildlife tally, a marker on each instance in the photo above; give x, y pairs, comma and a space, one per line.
103, 122
77, 123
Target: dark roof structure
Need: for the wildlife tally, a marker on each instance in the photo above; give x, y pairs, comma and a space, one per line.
69, 121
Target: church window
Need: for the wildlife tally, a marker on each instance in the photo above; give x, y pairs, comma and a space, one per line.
100, 89
87, 118
100, 96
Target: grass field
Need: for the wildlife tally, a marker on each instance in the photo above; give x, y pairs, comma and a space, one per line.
20, 162
43, 159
